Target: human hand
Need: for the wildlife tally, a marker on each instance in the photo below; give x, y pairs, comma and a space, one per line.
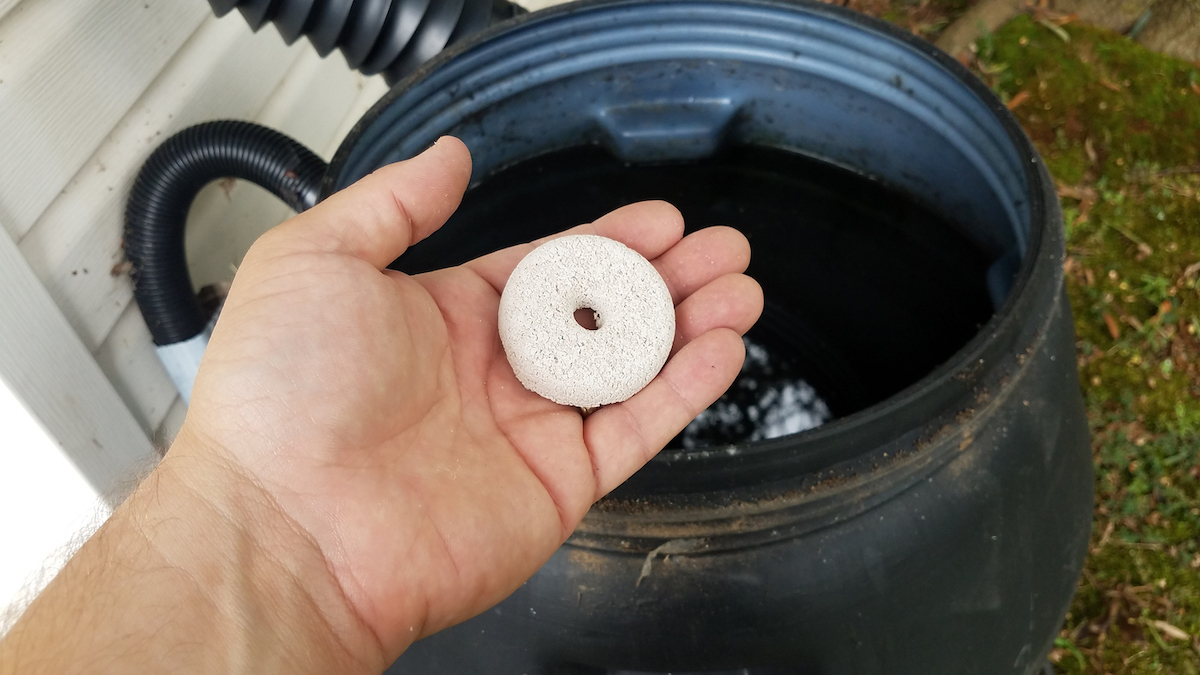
379, 417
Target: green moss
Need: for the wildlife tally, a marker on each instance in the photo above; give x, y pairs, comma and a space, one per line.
1134, 104
1119, 128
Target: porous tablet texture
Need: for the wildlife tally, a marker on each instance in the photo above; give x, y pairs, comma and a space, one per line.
556, 357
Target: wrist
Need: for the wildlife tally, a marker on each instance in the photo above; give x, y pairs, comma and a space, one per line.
197, 571
272, 595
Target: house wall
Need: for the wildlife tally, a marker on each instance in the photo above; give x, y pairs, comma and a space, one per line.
88, 88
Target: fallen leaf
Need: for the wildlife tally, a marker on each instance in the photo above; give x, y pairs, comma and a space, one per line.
1017, 100
1196, 88
1081, 192
1087, 199
1173, 632
1056, 29
1090, 150
1191, 270
1112, 86
1113, 328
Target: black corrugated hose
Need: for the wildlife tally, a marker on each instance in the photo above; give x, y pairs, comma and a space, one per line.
388, 36
163, 192
392, 37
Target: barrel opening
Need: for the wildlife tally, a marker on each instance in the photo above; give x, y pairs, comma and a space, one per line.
886, 202
867, 288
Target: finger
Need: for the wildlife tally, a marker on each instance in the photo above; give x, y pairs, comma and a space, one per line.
624, 436
383, 214
701, 257
733, 301
650, 228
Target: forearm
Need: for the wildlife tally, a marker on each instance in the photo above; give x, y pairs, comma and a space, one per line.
196, 572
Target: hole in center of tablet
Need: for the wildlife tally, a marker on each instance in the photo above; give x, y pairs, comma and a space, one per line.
587, 317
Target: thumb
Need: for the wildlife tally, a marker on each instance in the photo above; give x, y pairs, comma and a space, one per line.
383, 214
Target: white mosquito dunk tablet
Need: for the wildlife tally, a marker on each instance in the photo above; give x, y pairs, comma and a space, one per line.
553, 354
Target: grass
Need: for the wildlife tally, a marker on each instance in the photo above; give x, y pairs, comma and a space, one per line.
1119, 128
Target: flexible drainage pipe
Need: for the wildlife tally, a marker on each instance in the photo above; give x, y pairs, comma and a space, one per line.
391, 37
157, 212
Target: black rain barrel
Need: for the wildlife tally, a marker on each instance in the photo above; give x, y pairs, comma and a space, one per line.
900, 482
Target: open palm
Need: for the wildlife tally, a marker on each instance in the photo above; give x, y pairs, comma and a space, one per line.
379, 413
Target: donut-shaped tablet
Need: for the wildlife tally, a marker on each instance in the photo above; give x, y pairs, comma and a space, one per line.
552, 354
